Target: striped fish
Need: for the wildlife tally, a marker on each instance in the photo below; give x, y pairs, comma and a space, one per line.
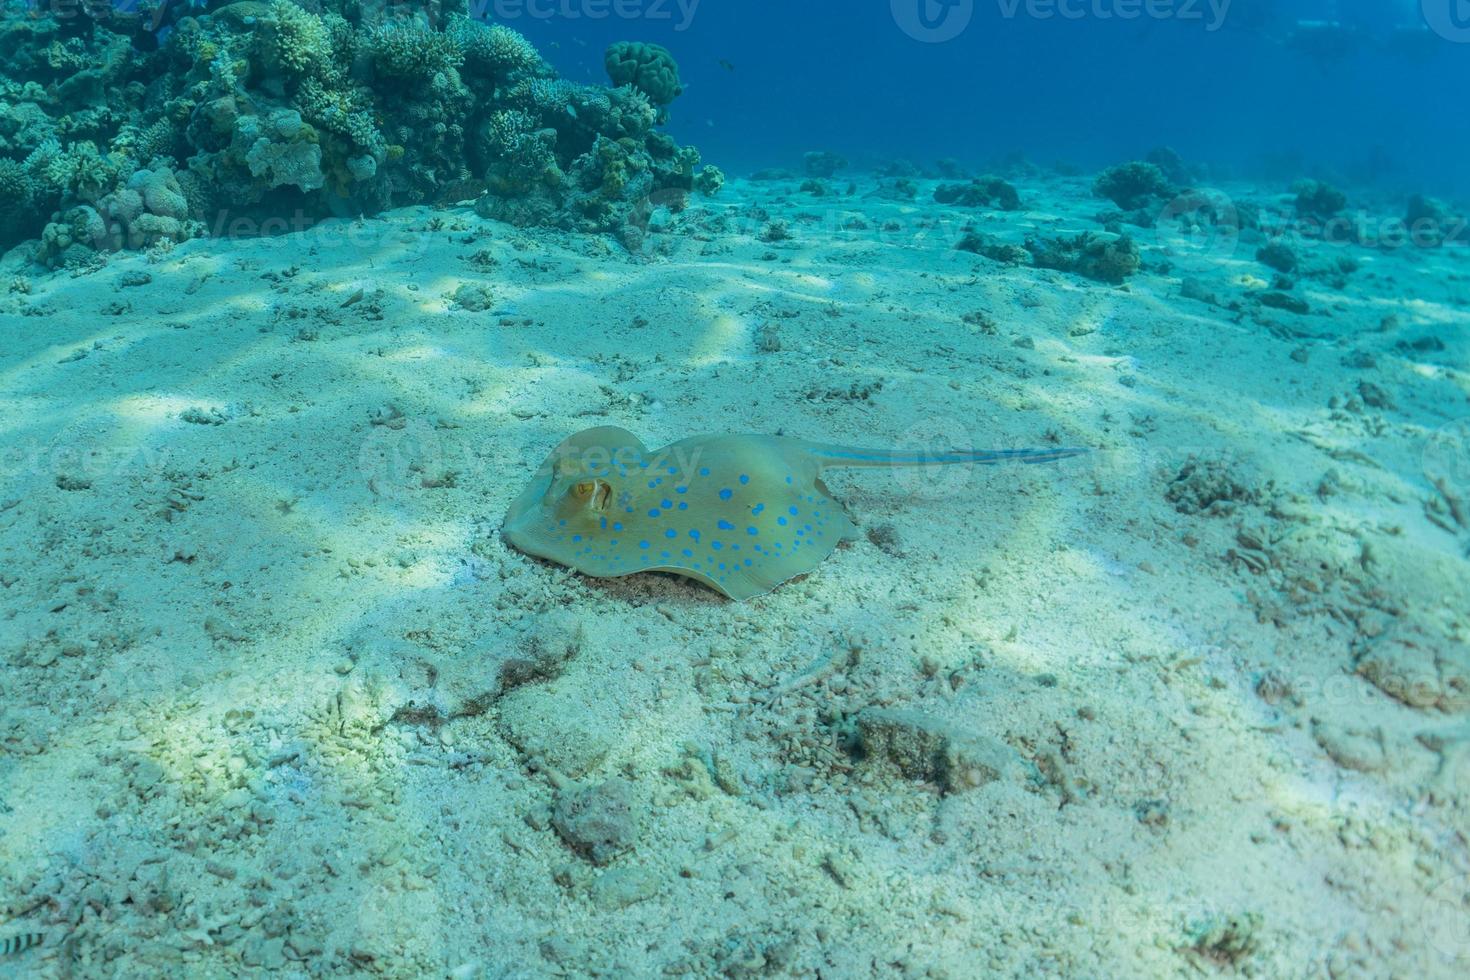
19, 943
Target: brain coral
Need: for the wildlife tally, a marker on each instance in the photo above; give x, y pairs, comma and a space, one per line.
650, 68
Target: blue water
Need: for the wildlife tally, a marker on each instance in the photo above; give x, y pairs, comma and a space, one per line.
1239, 90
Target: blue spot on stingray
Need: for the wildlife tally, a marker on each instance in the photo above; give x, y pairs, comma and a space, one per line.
704, 471
617, 526
681, 489
717, 545
576, 537
726, 493
757, 508
781, 521
792, 511
561, 523
752, 531
694, 535
664, 554
673, 470
652, 484
643, 545
667, 504
602, 524
688, 553
747, 561
788, 479
643, 464
671, 533
653, 513
683, 505
725, 525
744, 478
722, 566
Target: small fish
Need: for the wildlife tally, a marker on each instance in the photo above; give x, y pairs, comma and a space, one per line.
11, 945
354, 298
726, 65
738, 513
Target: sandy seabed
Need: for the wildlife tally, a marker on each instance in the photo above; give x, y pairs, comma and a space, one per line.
278, 699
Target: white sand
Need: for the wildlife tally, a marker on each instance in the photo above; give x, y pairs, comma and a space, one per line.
250, 562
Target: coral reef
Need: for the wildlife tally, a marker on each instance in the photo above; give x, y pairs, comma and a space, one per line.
256, 110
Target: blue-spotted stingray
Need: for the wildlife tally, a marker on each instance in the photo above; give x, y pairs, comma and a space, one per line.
739, 513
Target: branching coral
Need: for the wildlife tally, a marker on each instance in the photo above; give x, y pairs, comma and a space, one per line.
82, 172
410, 51
293, 42
494, 52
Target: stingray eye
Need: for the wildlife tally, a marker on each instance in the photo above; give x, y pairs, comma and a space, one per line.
595, 493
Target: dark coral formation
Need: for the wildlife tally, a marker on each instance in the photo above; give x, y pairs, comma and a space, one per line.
1135, 186
1002, 252
1318, 201
259, 111
1103, 258
823, 164
980, 193
1431, 223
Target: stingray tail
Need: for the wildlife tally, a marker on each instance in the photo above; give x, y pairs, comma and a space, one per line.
832, 456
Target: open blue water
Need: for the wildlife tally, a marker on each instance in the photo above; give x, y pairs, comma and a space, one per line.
1239, 84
